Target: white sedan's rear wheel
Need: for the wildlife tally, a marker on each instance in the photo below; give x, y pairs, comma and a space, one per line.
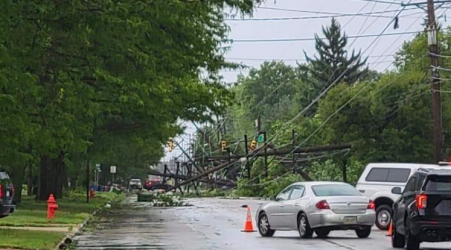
304, 227
263, 226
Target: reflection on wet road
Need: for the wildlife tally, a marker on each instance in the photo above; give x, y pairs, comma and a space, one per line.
211, 223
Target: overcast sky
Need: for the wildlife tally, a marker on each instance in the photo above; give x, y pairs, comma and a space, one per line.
310, 22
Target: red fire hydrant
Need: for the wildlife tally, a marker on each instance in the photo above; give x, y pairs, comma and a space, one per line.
52, 206
91, 193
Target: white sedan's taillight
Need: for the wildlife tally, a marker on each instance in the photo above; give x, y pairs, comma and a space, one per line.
322, 205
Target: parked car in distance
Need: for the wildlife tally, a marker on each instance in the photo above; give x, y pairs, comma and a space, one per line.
152, 185
153, 182
423, 213
318, 207
377, 181
135, 184
6, 195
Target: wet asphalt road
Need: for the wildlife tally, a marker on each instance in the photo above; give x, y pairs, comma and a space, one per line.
211, 223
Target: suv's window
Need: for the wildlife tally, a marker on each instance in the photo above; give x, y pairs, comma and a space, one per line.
388, 175
297, 192
420, 181
410, 187
438, 184
283, 196
3, 176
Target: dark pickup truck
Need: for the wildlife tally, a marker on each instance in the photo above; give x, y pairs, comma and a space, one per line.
6, 195
423, 213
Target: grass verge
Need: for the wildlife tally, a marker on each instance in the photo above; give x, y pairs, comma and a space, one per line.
25, 239
72, 210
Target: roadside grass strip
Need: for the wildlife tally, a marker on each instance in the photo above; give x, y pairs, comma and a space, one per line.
25, 239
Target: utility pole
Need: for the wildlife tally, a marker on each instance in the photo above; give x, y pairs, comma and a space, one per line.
246, 149
258, 124
431, 30
435, 83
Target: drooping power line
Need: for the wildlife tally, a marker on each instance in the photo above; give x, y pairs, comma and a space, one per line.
313, 39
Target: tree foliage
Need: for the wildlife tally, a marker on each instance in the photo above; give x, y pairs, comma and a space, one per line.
108, 79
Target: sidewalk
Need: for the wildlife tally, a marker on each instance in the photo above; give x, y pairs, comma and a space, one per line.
65, 229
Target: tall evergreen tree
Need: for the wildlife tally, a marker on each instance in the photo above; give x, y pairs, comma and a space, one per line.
333, 63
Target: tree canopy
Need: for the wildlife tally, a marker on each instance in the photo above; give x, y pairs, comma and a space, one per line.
106, 78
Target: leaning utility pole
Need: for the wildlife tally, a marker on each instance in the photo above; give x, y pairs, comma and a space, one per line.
435, 83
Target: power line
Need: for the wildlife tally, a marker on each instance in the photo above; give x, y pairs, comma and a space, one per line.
286, 59
313, 39
380, 1
314, 17
332, 13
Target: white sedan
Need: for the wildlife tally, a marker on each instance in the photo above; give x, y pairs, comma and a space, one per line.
318, 207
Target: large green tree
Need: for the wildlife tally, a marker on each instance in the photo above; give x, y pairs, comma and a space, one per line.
334, 63
76, 72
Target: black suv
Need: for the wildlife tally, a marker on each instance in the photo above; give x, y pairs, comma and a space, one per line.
6, 195
423, 213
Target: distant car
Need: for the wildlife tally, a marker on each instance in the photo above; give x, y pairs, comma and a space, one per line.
6, 195
377, 181
318, 207
135, 184
152, 183
423, 213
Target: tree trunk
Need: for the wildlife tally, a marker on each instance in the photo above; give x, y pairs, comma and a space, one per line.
51, 173
64, 178
18, 177
29, 174
73, 183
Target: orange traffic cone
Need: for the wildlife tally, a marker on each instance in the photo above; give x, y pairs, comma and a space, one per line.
390, 230
248, 227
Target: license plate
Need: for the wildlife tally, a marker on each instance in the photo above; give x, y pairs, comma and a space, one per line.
350, 220
7, 194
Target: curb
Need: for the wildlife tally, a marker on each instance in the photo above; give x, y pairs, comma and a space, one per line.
67, 240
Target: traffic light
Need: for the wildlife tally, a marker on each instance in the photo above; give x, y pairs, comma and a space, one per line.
253, 145
223, 145
171, 146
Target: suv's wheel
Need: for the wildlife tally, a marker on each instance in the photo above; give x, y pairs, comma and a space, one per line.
397, 240
305, 231
363, 232
322, 232
263, 226
412, 241
383, 217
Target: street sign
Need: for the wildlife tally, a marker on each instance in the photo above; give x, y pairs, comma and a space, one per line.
261, 138
113, 169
